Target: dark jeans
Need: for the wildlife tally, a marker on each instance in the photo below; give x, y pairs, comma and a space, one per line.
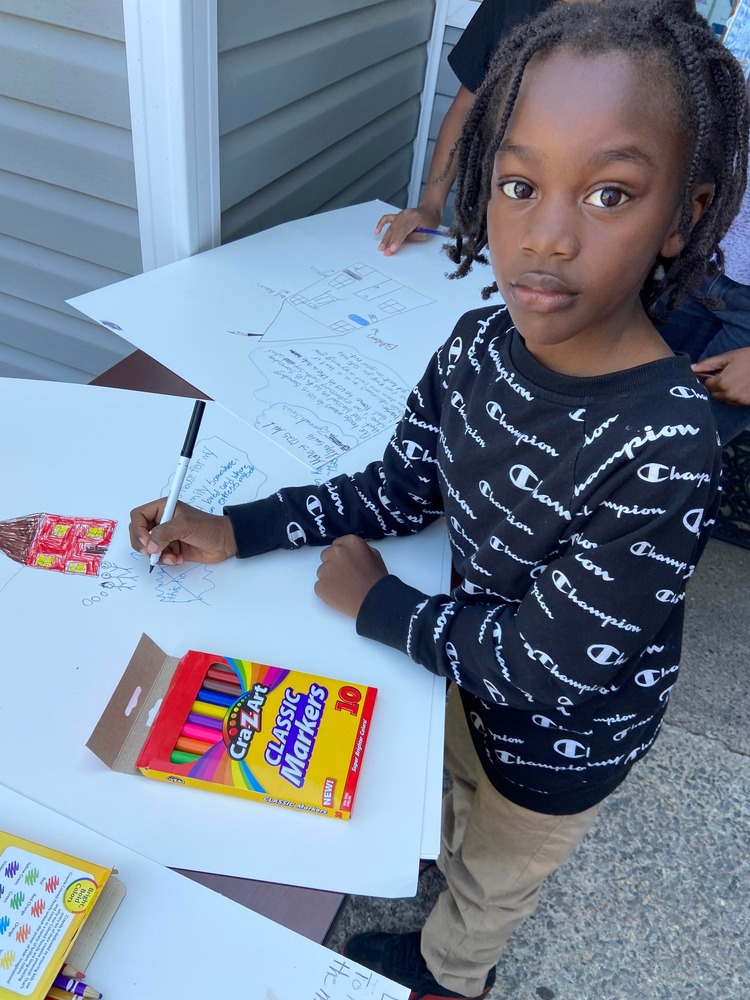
702, 333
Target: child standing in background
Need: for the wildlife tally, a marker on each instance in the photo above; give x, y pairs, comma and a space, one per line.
573, 457
469, 59
713, 328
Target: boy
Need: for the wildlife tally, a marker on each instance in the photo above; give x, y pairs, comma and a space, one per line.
572, 455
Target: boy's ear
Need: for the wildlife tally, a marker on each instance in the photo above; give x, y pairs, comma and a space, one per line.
702, 198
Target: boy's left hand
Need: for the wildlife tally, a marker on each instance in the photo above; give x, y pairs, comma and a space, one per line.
348, 568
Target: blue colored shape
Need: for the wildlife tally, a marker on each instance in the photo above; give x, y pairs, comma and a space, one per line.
215, 698
250, 778
358, 319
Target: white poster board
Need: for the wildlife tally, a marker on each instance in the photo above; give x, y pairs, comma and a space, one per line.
171, 937
93, 452
305, 331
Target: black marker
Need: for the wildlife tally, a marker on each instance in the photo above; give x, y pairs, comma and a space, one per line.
182, 466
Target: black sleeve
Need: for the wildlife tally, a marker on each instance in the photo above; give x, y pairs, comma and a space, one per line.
398, 495
495, 18
532, 652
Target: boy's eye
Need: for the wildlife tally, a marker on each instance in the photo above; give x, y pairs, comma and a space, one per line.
519, 190
607, 197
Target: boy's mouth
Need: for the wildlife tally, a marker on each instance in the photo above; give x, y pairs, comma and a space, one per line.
541, 292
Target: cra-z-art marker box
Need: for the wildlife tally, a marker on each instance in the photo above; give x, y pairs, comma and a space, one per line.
239, 727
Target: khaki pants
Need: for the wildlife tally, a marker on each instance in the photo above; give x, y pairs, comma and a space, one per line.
495, 856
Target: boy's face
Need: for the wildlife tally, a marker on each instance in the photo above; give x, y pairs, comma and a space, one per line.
586, 192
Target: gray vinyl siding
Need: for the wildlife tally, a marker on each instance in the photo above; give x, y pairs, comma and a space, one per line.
68, 217
318, 105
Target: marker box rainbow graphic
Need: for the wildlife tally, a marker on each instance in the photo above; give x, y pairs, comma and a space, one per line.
238, 727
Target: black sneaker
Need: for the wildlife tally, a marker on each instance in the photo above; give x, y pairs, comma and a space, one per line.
398, 956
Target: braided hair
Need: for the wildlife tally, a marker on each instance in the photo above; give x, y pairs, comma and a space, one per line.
711, 103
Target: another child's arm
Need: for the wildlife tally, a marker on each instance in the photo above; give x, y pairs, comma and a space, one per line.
727, 376
443, 167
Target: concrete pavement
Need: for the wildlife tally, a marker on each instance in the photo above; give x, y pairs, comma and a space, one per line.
655, 905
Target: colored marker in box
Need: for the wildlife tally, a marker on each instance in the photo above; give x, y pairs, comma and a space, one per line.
278, 736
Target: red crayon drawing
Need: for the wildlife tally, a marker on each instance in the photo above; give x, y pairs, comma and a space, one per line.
52, 541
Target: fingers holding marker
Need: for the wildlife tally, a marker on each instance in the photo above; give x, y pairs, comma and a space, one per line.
190, 535
149, 536
165, 540
142, 520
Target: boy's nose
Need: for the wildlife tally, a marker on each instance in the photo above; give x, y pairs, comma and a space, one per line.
551, 232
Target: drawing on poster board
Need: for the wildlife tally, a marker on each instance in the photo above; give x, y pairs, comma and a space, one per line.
219, 473
113, 579
340, 301
184, 584
324, 399
70, 545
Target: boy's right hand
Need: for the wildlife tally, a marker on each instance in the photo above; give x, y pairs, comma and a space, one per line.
191, 535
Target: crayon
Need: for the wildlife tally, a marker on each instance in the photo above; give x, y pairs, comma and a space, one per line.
192, 746
75, 987
72, 987
180, 757
204, 708
202, 733
222, 687
214, 698
198, 719
71, 973
226, 676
